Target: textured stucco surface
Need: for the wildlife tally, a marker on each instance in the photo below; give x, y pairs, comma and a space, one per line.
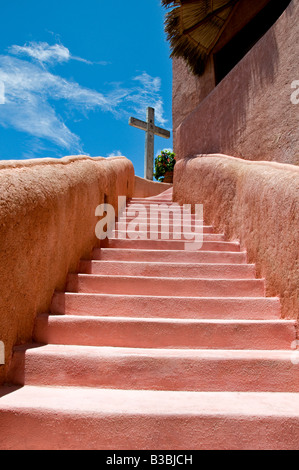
250, 113
147, 188
47, 223
188, 89
256, 203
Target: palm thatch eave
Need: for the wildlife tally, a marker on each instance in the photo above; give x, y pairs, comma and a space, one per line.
193, 27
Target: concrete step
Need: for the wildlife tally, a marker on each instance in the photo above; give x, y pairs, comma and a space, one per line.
155, 369
161, 229
153, 336
164, 286
190, 270
157, 207
107, 305
152, 202
166, 235
73, 418
145, 216
169, 256
161, 223
157, 200
164, 332
149, 201
173, 211
169, 245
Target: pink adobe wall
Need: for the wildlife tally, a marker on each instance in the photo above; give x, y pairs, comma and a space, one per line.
188, 90
47, 223
249, 114
147, 188
256, 203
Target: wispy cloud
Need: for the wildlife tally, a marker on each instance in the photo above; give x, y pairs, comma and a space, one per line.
44, 53
32, 91
29, 94
147, 93
115, 153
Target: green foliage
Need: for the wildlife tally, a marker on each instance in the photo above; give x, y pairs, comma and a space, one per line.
163, 163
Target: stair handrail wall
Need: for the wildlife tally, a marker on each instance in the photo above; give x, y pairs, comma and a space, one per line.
47, 224
256, 203
148, 188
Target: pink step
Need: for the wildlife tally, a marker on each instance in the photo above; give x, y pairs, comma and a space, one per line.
173, 218
161, 223
164, 332
155, 369
151, 235
188, 228
161, 207
152, 202
169, 256
73, 418
178, 287
107, 305
169, 245
153, 336
149, 201
147, 212
161, 204
134, 268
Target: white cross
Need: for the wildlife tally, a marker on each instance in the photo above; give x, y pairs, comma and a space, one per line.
151, 130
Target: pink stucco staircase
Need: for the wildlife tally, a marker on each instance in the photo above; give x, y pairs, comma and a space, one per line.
155, 347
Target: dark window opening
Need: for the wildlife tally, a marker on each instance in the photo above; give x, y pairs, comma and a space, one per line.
229, 56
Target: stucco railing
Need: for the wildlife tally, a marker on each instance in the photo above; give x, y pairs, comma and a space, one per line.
256, 203
47, 223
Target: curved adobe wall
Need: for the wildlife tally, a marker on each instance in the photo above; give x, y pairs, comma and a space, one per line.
47, 223
250, 113
147, 188
256, 203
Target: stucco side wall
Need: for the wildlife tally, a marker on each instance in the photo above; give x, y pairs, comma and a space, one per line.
250, 113
47, 223
256, 203
147, 188
188, 90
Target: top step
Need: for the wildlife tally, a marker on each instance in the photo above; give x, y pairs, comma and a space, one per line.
150, 201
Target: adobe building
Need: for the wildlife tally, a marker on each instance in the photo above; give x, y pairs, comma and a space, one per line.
235, 93
233, 74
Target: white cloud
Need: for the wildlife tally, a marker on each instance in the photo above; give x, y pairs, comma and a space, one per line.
46, 54
28, 89
42, 52
115, 153
148, 94
31, 91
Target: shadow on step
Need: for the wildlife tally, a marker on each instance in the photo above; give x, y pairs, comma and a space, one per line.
8, 389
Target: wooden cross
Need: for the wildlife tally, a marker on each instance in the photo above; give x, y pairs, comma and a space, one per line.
151, 130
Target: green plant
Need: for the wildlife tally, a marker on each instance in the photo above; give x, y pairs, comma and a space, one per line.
164, 163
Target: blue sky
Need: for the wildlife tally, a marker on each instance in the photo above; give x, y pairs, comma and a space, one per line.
74, 72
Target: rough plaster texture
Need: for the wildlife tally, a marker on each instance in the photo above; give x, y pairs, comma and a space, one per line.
250, 113
147, 188
47, 223
188, 90
256, 203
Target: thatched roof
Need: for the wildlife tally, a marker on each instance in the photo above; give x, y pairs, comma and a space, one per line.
193, 28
